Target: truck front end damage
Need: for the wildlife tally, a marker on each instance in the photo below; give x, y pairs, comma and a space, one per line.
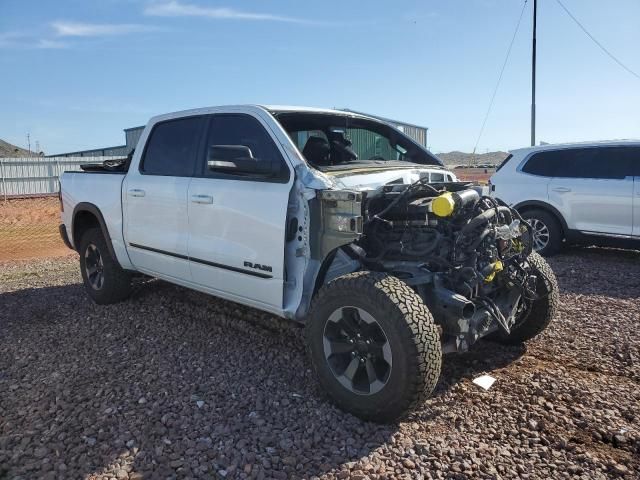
465, 255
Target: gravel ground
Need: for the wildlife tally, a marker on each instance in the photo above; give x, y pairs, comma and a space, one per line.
173, 383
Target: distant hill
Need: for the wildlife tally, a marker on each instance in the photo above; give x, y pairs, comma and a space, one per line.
462, 158
8, 150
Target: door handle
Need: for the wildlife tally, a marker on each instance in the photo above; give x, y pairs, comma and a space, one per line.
561, 189
136, 192
205, 199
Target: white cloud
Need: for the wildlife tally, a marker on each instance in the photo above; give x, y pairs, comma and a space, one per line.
77, 29
46, 43
25, 40
174, 8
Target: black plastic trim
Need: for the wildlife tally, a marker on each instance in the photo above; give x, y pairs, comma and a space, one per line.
198, 260
63, 234
91, 208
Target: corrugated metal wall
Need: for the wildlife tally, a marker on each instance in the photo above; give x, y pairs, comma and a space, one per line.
38, 176
132, 136
120, 151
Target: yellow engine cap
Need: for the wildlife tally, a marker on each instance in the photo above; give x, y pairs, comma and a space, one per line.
496, 267
444, 205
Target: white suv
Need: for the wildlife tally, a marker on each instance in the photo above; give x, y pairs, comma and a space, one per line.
575, 193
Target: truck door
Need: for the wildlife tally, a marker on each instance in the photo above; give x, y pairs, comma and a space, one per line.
593, 189
155, 199
237, 220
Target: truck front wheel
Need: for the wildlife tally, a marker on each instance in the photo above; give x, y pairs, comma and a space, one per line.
105, 281
537, 314
374, 345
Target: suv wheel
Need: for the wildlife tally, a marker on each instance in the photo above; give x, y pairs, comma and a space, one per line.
104, 280
547, 234
374, 345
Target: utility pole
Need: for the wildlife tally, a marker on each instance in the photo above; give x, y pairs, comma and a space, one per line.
533, 75
29, 142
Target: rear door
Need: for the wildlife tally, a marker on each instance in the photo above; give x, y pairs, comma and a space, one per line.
237, 222
155, 199
593, 189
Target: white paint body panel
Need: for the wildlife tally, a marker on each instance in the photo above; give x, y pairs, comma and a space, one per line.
245, 222
158, 220
79, 187
594, 205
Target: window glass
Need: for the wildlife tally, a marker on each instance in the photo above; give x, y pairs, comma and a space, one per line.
171, 148
543, 164
602, 163
437, 177
244, 130
369, 145
504, 162
301, 136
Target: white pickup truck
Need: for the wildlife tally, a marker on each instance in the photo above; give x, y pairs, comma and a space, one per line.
330, 218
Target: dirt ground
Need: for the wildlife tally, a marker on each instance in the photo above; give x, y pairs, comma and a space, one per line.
29, 229
176, 384
479, 175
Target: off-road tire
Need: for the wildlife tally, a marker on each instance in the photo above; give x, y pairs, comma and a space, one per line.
411, 333
541, 311
116, 283
554, 245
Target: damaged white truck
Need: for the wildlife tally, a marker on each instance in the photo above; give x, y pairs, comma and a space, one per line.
329, 218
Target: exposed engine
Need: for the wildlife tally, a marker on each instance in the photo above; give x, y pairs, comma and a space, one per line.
464, 253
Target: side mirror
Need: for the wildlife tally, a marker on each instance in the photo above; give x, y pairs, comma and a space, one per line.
236, 159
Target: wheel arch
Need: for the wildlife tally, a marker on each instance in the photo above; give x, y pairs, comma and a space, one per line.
539, 205
319, 275
87, 215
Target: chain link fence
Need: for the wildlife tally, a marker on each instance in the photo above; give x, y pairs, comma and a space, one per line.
29, 228
29, 206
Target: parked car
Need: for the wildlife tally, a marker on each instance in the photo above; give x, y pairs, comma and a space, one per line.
282, 209
585, 193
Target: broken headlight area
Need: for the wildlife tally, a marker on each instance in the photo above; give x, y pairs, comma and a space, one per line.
464, 253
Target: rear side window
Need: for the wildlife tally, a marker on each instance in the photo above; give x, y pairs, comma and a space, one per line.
243, 130
504, 162
602, 163
171, 148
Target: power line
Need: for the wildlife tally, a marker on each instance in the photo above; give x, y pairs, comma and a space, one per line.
495, 90
602, 47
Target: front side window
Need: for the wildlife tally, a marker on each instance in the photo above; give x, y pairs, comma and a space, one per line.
612, 163
171, 148
244, 134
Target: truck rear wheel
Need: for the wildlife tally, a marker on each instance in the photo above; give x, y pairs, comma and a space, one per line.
105, 281
374, 345
538, 314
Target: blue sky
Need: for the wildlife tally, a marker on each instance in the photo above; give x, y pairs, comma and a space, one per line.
74, 73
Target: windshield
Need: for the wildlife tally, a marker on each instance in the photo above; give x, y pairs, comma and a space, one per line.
330, 142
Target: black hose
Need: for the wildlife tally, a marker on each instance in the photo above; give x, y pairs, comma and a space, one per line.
402, 195
477, 221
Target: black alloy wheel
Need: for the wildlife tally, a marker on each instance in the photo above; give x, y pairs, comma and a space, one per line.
357, 350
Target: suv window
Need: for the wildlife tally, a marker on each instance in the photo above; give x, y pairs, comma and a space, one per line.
595, 162
437, 177
172, 147
241, 129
